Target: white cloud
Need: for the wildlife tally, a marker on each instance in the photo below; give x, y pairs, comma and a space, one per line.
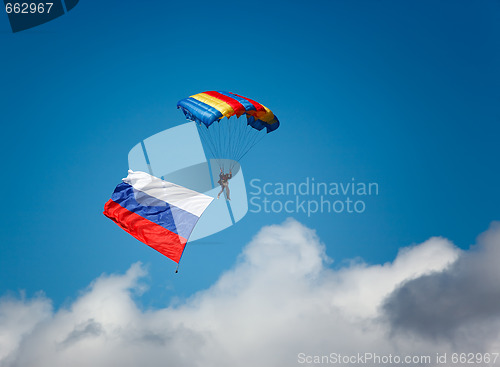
458, 303
280, 299
18, 318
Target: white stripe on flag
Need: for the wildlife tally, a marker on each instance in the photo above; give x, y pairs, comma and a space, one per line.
179, 196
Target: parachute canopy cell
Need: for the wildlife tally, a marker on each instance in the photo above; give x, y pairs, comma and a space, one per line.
208, 107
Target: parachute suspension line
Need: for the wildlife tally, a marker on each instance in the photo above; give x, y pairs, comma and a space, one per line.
239, 142
227, 148
212, 133
247, 141
221, 145
207, 139
227, 130
229, 139
212, 136
236, 139
233, 129
240, 139
256, 138
244, 132
223, 142
249, 132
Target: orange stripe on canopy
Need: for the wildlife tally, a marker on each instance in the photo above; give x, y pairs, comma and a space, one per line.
268, 117
259, 109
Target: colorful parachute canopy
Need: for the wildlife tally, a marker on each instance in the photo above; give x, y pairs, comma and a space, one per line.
208, 107
159, 213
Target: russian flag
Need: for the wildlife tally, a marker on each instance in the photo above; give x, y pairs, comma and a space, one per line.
159, 213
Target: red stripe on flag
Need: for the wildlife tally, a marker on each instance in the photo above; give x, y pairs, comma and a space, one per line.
155, 236
238, 108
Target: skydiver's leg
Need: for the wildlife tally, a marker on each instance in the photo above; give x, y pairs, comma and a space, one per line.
221, 191
227, 192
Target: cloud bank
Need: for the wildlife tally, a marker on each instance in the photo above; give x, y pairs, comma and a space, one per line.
280, 305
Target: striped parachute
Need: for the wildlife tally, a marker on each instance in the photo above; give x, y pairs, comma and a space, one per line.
228, 138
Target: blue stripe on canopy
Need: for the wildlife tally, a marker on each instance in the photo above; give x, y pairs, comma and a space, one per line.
248, 106
199, 111
255, 123
274, 126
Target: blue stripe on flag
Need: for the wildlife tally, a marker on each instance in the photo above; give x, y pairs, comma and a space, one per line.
159, 212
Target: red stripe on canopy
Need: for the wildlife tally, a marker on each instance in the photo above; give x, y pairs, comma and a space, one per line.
238, 108
260, 110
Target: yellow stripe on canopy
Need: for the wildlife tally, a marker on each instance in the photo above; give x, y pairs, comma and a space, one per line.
269, 116
216, 103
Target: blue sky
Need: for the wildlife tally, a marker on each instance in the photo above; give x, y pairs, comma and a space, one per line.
399, 93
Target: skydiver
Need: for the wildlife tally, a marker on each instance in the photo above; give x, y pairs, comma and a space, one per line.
223, 182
